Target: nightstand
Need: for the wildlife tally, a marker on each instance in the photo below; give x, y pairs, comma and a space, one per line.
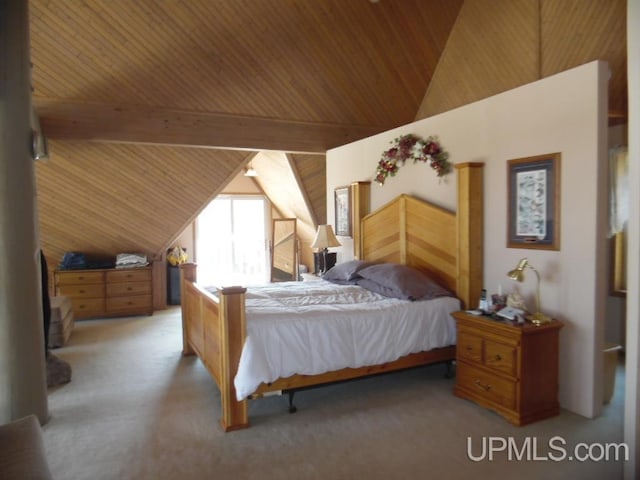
508, 367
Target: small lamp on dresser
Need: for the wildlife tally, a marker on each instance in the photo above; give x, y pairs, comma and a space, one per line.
325, 238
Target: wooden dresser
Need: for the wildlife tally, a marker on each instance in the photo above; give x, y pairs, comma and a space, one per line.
509, 368
106, 292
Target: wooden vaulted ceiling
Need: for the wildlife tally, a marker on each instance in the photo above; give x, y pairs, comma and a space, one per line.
151, 106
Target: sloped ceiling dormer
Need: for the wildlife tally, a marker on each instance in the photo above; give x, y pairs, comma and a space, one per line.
104, 199
152, 107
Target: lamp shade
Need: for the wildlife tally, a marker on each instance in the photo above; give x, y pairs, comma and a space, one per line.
325, 238
518, 272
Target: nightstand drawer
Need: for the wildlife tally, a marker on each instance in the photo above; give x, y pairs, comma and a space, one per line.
487, 386
500, 357
469, 347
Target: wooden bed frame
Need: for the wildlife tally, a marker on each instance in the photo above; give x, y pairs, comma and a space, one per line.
446, 245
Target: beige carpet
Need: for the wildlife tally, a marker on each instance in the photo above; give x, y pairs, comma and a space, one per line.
137, 409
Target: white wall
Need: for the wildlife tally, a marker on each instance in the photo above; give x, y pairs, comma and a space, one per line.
564, 113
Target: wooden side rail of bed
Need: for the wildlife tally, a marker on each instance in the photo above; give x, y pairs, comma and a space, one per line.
214, 326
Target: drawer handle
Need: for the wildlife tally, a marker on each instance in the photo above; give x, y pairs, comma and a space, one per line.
129, 289
484, 387
469, 348
81, 291
498, 358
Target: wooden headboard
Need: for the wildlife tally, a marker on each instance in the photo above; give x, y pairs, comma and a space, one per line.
444, 244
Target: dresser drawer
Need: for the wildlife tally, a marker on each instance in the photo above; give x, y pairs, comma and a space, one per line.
81, 291
469, 347
126, 303
119, 276
500, 357
486, 386
79, 277
87, 307
128, 288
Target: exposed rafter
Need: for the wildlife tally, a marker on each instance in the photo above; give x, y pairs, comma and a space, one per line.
64, 120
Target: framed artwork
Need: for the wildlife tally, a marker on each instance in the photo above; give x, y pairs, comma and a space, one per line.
534, 202
343, 211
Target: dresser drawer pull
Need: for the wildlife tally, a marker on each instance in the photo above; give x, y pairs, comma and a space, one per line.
80, 291
498, 358
469, 348
484, 387
129, 289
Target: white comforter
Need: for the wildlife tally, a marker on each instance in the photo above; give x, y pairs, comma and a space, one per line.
315, 327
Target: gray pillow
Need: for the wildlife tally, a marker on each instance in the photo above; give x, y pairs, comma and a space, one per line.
346, 272
400, 281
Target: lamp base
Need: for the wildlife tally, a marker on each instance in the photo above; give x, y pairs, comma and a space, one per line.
539, 318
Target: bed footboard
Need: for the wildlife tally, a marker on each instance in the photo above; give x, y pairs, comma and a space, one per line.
214, 328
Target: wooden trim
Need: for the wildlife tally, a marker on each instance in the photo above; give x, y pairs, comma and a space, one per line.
303, 190
470, 219
408, 361
360, 206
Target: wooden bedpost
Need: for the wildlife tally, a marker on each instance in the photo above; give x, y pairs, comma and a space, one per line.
360, 206
233, 325
470, 232
188, 273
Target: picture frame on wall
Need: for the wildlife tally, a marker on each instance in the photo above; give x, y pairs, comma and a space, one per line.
343, 211
533, 195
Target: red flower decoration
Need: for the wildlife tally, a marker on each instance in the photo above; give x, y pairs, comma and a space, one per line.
412, 146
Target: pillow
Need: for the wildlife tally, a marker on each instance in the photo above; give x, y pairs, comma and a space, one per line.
376, 287
346, 272
400, 281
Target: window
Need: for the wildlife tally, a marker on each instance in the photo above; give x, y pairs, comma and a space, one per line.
231, 241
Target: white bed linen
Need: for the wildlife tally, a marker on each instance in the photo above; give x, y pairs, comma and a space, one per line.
315, 327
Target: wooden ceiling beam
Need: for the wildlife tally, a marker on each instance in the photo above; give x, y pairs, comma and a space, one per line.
65, 120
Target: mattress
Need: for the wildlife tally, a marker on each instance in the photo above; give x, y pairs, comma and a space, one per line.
310, 328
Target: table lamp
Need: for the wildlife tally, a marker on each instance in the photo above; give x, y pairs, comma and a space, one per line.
324, 239
517, 274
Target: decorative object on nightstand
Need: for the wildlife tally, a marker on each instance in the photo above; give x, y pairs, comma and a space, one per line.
508, 367
325, 239
517, 274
